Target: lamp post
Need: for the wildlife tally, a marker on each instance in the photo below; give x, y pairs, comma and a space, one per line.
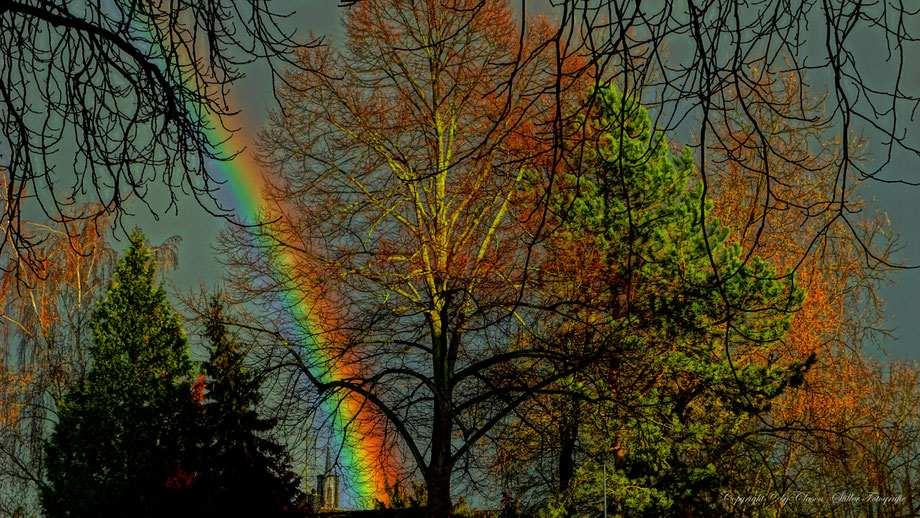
605, 489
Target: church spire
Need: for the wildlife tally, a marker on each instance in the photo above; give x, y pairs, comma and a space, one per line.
328, 484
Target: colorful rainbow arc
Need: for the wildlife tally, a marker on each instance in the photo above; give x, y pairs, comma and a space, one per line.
362, 444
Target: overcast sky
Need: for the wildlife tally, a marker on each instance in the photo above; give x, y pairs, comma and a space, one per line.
199, 264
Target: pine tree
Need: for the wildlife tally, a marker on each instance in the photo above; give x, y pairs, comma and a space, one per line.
240, 470
683, 324
114, 449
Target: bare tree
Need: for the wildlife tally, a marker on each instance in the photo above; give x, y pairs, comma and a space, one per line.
697, 63
107, 101
401, 161
45, 333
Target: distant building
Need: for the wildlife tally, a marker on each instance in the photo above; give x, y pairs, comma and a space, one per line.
327, 485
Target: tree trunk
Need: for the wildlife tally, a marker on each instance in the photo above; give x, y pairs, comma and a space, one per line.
439, 502
440, 466
568, 433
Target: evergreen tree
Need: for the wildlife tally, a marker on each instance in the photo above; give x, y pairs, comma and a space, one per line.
683, 324
240, 470
114, 449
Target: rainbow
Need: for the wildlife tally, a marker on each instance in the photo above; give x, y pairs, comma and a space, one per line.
367, 462
362, 448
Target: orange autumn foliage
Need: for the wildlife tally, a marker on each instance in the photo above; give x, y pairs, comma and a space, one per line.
777, 187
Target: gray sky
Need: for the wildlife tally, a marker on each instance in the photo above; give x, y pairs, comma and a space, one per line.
199, 264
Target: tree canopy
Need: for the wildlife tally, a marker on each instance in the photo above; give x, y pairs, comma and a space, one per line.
451, 224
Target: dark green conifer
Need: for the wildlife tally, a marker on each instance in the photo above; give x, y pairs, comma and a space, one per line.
240, 471
114, 449
682, 322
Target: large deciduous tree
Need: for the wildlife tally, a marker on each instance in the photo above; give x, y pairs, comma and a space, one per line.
402, 162
115, 447
398, 164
